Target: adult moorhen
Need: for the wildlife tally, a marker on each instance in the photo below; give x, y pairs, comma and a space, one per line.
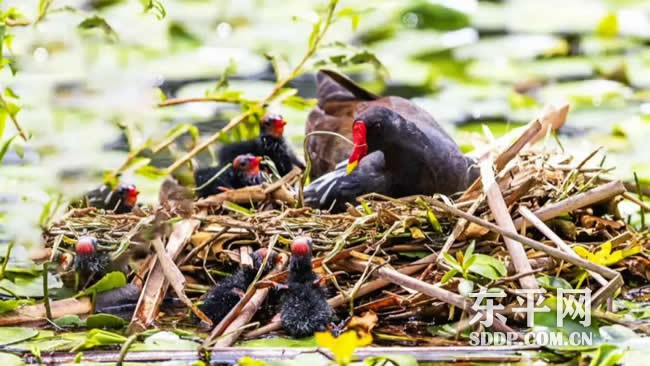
244, 172
270, 142
419, 157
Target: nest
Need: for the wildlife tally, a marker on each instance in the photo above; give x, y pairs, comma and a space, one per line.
388, 256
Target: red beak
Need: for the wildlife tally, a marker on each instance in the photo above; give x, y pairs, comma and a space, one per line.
132, 196
277, 130
360, 145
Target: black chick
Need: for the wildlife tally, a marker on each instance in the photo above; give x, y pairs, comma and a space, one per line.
269, 143
244, 172
88, 260
304, 308
120, 199
223, 297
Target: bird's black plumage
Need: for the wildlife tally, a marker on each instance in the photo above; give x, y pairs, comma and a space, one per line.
421, 158
304, 307
270, 143
119, 199
333, 190
243, 172
223, 297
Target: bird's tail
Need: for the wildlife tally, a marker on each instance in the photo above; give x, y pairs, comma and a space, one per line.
334, 86
319, 193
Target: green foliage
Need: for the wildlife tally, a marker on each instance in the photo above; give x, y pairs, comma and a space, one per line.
434, 16
104, 321
181, 36
156, 7
97, 338
109, 282
12, 304
9, 335
97, 22
480, 264
69, 321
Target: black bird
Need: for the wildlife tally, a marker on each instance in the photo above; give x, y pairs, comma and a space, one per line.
223, 297
304, 307
333, 190
120, 199
420, 158
270, 142
244, 172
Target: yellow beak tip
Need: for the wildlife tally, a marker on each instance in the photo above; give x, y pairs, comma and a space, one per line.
351, 167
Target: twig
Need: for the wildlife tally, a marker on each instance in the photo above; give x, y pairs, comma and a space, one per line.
425, 288
459, 228
553, 252
630, 197
503, 219
595, 195
12, 116
46, 292
177, 101
541, 226
5, 261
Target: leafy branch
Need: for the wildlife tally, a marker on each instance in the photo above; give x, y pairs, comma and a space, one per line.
319, 30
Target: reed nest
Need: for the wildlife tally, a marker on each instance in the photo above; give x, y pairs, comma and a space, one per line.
530, 210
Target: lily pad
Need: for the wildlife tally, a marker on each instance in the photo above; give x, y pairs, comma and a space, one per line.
9, 335
28, 286
109, 282
104, 321
9, 359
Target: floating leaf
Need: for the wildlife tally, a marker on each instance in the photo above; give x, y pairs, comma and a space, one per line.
28, 286
110, 281
98, 337
69, 321
12, 304
9, 335
104, 321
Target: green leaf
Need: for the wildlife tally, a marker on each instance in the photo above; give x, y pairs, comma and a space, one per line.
9, 335
179, 34
231, 206
353, 14
69, 321
156, 7
97, 22
488, 267
280, 65
5, 146
608, 26
315, 31
448, 276
12, 304
43, 5
151, 172
109, 282
553, 283
10, 93
248, 361
607, 355
104, 321
98, 337
28, 286
428, 15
